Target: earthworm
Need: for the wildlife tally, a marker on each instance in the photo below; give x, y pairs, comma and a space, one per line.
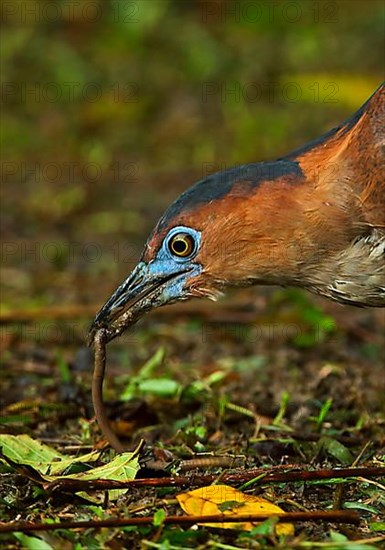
101, 336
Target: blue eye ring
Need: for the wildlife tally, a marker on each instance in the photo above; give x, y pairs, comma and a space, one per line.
182, 243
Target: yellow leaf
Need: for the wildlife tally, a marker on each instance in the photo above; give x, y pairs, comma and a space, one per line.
222, 499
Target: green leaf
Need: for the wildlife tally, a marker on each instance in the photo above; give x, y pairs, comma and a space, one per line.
337, 537
50, 464
343, 543
377, 526
154, 362
136, 382
64, 369
282, 408
32, 543
266, 528
122, 468
336, 449
159, 517
360, 506
164, 387
24, 450
324, 411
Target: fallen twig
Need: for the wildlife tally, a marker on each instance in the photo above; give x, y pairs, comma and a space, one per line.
339, 516
74, 485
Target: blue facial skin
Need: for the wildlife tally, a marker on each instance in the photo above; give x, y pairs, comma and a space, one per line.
167, 264
164, 276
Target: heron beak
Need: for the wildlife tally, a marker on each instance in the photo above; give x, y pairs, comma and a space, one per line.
148, 286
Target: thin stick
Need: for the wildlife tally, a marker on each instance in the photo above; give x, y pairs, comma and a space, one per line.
237, 478
340, 516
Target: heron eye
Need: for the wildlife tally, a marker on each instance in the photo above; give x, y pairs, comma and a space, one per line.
181, 245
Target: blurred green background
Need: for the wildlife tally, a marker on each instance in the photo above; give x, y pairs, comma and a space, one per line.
112, 108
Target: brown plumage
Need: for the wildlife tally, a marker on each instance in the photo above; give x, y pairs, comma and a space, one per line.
313, 219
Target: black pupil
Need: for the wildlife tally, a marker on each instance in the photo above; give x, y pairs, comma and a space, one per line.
180, 245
